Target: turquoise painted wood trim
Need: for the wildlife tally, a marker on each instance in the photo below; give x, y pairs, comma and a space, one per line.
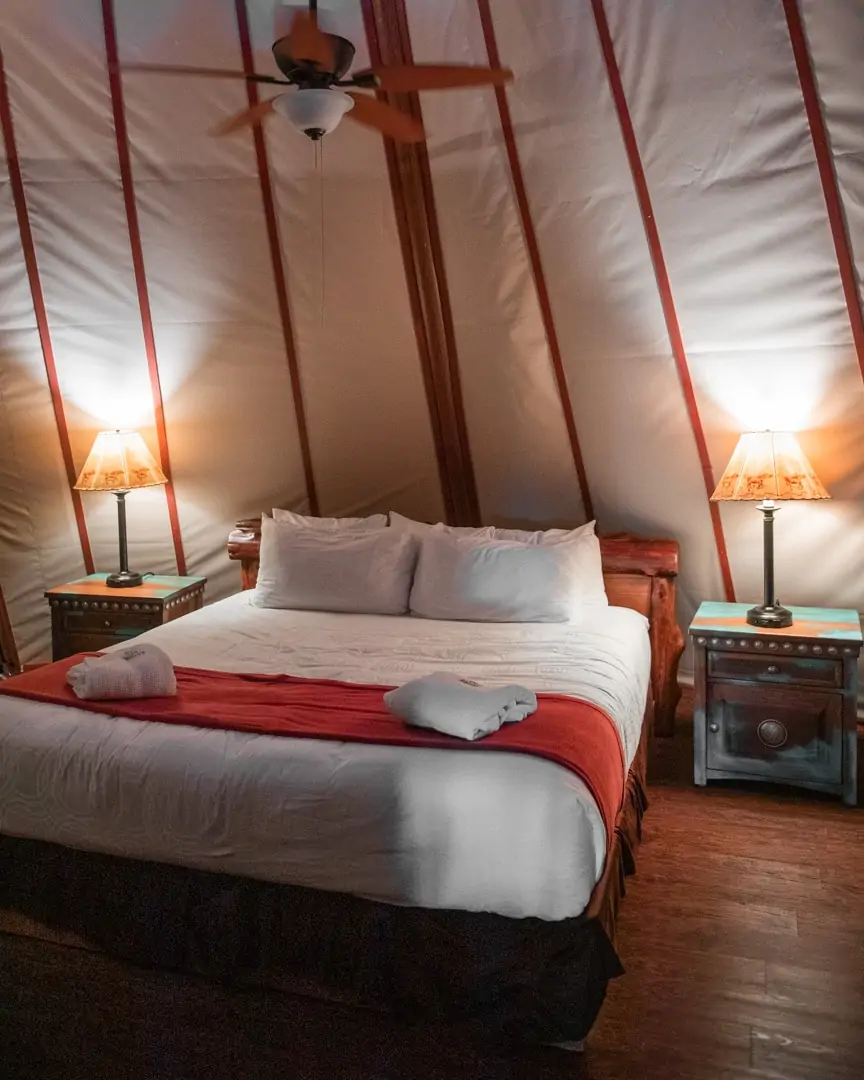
714, 617
159, 586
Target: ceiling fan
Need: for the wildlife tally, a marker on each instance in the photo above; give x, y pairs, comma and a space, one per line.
317, 63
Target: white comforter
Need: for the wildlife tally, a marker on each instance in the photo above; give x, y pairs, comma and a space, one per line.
498, 832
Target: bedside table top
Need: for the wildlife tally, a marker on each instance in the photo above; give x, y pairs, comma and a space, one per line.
836, 624
157, 587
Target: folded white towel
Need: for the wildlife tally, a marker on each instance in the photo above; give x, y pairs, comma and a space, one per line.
444, 702
136, 671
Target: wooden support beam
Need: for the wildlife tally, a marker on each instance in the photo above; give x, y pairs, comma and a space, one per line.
386, 25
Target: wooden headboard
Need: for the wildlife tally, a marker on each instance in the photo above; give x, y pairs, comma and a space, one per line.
639, 574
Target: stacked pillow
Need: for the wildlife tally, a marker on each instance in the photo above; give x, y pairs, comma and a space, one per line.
434, 571
421, 529
352, 524
508, 580
592, 586
334, 564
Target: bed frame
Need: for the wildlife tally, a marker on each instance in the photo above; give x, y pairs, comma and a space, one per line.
9, 662
518, 979
639, 574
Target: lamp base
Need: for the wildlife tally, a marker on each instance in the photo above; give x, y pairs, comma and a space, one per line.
125, 579
771, 616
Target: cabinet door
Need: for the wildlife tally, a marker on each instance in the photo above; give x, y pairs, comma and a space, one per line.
782, 732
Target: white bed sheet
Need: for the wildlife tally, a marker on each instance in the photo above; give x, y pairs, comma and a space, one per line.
499, 832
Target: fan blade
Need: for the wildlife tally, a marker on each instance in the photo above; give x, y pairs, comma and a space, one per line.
404, 79
389, 121
306, 42
246, 118
216, 73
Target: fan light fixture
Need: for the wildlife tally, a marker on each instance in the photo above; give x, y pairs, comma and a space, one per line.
319, 65
313, 112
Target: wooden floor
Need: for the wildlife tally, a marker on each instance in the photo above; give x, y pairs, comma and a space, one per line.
742, 934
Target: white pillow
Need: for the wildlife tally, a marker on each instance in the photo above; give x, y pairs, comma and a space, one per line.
354, 524
420, 528
328, 570
472, 578
545, 536
593, 586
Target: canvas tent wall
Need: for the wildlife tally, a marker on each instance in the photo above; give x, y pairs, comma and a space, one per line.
650, 242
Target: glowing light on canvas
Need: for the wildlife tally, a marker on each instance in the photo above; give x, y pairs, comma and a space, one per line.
780, 392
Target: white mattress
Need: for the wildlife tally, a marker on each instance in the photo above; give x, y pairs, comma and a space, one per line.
498, 832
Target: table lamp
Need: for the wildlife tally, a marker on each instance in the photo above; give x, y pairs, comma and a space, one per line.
119, 462
768, 465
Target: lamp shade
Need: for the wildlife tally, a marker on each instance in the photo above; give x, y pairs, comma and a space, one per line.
119, 461
768, 465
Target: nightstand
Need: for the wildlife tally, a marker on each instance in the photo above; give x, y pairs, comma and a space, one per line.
88, 616
777, 705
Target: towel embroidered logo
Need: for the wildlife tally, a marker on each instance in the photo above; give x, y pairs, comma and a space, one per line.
130, 654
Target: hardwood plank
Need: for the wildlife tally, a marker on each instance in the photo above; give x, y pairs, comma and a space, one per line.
836, 993
727, 879
748, 917
672, 966
835, 909
794, 1053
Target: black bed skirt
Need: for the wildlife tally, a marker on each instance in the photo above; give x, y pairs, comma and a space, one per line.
525, 978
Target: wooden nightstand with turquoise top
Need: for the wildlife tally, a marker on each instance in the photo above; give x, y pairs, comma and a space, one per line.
777, 704
87, 615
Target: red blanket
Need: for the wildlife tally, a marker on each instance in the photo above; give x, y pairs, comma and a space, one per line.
571, 733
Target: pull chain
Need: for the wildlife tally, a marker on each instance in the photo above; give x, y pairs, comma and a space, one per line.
319, 164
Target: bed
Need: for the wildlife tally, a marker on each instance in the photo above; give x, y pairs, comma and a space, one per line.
401, 887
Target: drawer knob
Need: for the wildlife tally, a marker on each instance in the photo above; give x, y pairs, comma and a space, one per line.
713, 728
773, 669
772, 733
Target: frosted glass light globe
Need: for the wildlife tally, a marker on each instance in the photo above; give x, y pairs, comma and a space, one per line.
314, 112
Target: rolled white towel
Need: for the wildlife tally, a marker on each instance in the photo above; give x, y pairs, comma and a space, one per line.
136, 671
455, 706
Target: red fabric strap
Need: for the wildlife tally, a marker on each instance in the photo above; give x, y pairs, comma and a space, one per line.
574, 734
